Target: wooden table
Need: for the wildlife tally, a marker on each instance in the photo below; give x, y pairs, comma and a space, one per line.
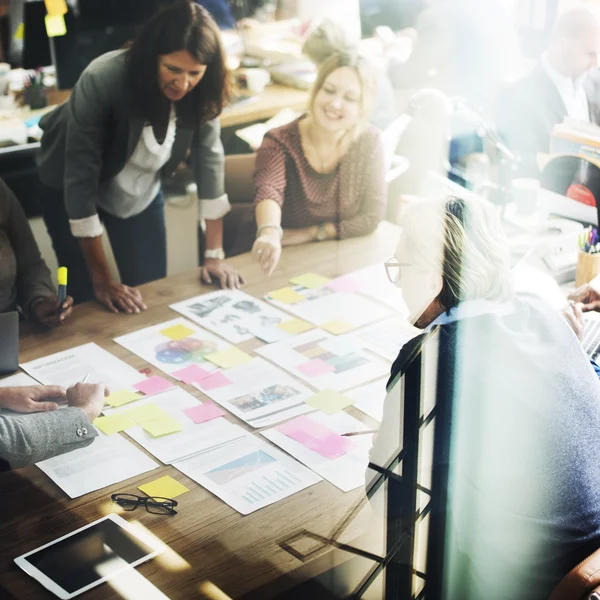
208, 540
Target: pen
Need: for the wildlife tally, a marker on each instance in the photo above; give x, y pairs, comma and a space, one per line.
62, 288
359, 433
85, 378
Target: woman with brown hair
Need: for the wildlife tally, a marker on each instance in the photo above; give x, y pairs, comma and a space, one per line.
131, 118
322, 176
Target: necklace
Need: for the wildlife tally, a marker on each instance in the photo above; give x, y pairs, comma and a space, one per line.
324, 163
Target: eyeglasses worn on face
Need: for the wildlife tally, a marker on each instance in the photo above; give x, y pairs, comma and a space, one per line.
392, 269
154, 505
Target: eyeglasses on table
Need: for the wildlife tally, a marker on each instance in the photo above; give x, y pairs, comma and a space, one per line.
155, 505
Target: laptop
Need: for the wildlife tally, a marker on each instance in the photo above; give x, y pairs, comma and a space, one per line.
9, 342
591, 334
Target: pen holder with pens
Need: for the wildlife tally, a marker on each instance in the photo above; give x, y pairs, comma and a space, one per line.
588, 259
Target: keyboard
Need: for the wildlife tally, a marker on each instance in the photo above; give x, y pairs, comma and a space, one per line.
591, 336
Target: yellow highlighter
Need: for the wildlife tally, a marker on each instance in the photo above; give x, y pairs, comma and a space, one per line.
62, 287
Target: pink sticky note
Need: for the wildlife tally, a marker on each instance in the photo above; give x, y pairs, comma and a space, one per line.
204, 412
344, 284
315, 367
214, 381
191, 374
153, 385
317, 437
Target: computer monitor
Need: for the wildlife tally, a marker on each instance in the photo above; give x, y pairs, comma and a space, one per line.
36, 47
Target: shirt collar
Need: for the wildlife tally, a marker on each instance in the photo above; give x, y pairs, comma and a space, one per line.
470, 308
562, 82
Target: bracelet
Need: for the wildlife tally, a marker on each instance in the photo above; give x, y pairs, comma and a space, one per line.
278, 227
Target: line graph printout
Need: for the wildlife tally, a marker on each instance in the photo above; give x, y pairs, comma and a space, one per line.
248, 473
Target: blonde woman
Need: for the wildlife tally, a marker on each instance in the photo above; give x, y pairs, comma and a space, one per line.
517, 409
322, 176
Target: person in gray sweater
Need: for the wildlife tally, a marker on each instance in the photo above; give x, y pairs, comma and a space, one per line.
33, 428
130, 120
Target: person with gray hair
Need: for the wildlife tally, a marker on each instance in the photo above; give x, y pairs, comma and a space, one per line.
328, 38
518, 447
565, 82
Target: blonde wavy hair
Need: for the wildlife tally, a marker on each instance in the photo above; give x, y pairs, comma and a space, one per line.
365, 72
465, 238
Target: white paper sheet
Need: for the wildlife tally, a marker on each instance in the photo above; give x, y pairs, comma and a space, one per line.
71, 366
333, 367
108, 460
387, 337
370, 398
346, 472
248, 473
230, 313
194, 438
170, 355
17, 380
261, 394
374, 283
322, 305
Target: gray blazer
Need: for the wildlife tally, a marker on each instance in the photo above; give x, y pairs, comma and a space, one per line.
528, 110
29, 438
89, 139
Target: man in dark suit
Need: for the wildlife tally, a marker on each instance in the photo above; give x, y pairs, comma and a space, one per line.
565, 82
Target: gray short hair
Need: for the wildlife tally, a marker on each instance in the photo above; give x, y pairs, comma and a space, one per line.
465, 237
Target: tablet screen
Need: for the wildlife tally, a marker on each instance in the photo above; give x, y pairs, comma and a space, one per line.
91, 554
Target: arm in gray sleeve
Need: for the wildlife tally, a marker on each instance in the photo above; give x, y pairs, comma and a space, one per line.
88, 112
29, 438
208, 157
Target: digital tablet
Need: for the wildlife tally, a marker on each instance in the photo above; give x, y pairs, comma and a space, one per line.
88, 556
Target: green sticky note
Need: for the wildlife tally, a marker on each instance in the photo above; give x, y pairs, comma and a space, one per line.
113, 423
164, 487
55, 25
162, 426
121, 397
147, 412
294, 326
329, 401
337, 326
286, 295
227, 359
177, 332
310, 280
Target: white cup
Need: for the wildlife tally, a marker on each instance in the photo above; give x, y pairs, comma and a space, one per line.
256, 80
526, 195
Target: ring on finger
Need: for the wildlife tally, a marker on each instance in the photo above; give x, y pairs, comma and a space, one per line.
259, 251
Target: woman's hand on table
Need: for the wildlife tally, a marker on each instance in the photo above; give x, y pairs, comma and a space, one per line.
46, 310
267, 250
227, 276
31, 398
119, 298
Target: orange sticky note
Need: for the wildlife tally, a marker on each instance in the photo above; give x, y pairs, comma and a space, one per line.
55, 25
56, 7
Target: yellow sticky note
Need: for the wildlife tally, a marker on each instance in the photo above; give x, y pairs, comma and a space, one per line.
329, 401
121, 397
20, 32
310, 280
295, 326
55, 25
337, 326
286, 295
227, 359
56, 7
146, 413
162, 426
113, 423
177, 332
165, 487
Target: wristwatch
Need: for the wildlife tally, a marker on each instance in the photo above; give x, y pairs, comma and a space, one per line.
321, 234
216, 253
